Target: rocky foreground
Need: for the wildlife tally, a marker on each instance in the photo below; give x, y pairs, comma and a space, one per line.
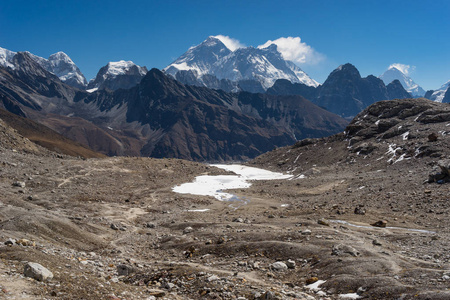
111, 228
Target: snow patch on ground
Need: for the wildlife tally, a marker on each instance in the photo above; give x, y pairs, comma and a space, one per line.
207, 185
315, 286
91, 90
349, 296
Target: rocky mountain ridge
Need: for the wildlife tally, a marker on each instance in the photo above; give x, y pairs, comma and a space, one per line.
344, 92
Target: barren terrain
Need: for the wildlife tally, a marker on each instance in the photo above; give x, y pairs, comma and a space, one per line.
111, 228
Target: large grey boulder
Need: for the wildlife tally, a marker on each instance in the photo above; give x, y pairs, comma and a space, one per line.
37, 271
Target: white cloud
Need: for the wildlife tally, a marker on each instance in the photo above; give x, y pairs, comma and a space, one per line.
230, 43
405, 69
292, 48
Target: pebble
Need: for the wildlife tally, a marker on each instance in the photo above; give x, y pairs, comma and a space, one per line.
306, 232
323, 222
381, 223
212, 278
377, 243
290, 264
188, 230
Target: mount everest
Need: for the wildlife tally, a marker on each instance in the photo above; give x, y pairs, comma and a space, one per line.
251, 69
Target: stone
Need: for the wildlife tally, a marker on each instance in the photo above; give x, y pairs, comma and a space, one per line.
323, 222
270, 295
150, 225
25, 242
238, 220
114, 226
290, 264
311, 280
381, 223
169, 286
306, 232
432, 137
124, 270
19, 184
221, 240
359, 211
377, 243
37, 271
212, 278
341, 249
156, 293
188, 230
10, 242
279, 266
444, 164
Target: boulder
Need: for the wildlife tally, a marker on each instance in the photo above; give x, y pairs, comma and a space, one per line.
124, 270
279, 266
37, 271
341, 249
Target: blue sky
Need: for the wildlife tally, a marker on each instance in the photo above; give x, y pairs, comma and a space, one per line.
371, 34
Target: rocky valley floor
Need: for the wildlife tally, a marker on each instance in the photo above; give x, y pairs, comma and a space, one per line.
111, 228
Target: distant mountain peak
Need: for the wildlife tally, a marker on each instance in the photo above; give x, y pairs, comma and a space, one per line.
226, 59
439, 94
117, 75
401, 73
58, 63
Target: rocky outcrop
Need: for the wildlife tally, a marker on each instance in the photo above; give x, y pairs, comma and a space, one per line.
441, 172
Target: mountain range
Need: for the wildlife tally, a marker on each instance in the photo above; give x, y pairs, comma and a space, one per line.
162, 117
127, 110
344, 92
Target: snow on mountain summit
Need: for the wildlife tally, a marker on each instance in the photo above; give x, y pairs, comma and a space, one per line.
123, 67
59, 64
439, 94
401, 73
118, 74
225, 58
6, 57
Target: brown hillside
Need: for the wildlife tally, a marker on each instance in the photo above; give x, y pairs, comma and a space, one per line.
46, 137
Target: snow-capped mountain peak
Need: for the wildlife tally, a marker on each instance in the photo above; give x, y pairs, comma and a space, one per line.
59, 64
122, 68
439, 94
118, 74
401, 73
226, 59
6, 57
